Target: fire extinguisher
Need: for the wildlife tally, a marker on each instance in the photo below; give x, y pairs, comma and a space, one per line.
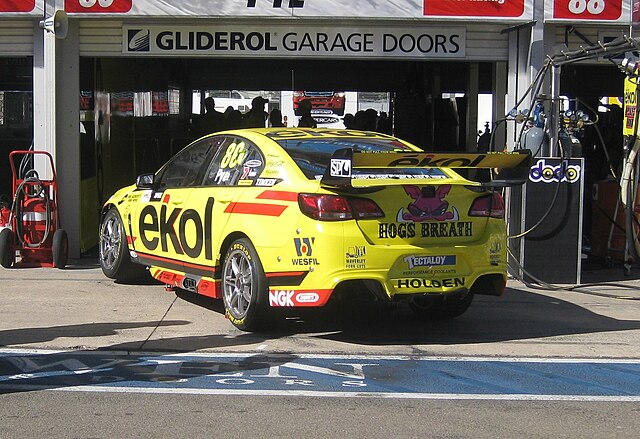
32, 210
5, 214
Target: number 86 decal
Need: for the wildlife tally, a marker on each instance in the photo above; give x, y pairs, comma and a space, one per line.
92, 3
594, 7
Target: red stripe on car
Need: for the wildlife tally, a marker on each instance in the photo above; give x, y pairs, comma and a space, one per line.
256, 209
278, 195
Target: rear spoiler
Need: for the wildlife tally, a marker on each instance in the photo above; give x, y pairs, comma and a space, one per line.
513, 167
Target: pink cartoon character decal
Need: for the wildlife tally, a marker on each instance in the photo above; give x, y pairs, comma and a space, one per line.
428, 205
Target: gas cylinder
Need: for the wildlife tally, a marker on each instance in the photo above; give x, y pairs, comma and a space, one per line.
34, 221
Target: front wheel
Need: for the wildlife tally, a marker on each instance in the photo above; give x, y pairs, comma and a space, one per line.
244, 286
113, 251
60, 248
7, 249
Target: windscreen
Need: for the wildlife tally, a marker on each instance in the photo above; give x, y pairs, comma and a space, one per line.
313, 155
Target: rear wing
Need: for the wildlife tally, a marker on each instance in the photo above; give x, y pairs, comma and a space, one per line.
513, 167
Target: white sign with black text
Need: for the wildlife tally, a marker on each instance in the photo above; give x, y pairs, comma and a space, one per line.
288, 41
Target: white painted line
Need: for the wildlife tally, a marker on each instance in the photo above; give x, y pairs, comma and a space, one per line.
315, 394
198, 354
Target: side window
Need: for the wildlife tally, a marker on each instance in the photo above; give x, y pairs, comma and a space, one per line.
238, 162
185, 168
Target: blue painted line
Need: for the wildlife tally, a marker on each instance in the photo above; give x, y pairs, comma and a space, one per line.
322, 375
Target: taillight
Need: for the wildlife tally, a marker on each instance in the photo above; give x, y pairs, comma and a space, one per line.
491, 205
326, 207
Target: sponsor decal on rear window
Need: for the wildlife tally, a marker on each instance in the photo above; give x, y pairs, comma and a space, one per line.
428, 205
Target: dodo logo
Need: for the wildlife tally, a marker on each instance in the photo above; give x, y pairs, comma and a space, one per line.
547, 173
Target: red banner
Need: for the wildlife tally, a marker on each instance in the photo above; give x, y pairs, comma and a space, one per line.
98, 6
474, 8
587, 9
17, 5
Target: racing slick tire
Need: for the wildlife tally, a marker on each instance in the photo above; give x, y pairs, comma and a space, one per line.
449, 308
244, 286
60, 248
7, 252
113, 250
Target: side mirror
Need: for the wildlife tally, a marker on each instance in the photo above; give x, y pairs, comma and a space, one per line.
145, 181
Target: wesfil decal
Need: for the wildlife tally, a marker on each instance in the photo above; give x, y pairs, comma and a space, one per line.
304, 250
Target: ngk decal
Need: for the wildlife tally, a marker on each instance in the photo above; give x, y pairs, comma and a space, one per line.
98, 6
289, 298
281, 298
17, 5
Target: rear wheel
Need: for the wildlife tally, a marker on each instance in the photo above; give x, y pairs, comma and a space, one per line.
244, 286
7, 249
60, 248
113, 251
449, 308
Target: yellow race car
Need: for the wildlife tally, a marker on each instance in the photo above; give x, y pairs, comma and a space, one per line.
287, 217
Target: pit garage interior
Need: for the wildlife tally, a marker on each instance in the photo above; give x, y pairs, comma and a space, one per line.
115, 147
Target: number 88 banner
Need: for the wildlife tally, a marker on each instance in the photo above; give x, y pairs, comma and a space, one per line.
97, 6
598, 10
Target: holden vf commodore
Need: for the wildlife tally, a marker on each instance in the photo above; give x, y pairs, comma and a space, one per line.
275, 218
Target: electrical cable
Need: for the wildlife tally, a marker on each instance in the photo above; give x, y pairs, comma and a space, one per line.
580, 288
617, 46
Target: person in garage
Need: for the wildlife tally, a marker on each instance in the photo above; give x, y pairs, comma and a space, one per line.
256, 116
212, 120
306, 120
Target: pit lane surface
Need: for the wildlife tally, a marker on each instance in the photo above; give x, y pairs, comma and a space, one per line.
324, 376
83, 356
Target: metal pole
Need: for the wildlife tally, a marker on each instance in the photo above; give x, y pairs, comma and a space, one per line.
554, 113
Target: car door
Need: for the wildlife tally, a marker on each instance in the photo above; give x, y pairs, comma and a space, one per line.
234, 167
161, 221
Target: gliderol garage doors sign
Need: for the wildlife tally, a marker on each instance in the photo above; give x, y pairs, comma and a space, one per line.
288, 41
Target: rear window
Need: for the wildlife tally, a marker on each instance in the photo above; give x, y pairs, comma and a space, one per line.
313, 155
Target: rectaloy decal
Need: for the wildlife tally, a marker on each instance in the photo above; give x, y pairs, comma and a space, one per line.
295, 41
